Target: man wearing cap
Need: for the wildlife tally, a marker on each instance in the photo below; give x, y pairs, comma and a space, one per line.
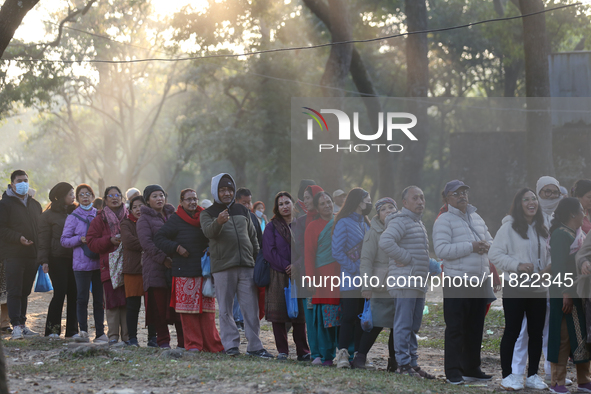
461, 239
233, 246
19, 214
339, 198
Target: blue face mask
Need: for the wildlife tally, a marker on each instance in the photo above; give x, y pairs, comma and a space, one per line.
22, 188
86, 207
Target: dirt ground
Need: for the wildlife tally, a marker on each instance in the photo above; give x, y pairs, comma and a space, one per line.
430, 359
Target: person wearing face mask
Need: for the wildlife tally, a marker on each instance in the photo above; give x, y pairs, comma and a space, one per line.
57, 260
19, 216
85, 265
461, 239
374, 262
351, 223
258, 208
548, 190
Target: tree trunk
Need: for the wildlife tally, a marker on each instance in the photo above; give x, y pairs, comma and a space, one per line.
11, 16
511, 74
410, 161
537, 86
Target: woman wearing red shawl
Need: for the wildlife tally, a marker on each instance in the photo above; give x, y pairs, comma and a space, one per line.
182, 238
104, 237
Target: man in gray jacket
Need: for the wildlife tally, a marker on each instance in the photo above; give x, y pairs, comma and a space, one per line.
462, 240
406, 243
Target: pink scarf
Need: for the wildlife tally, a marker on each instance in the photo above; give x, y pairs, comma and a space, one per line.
114, 220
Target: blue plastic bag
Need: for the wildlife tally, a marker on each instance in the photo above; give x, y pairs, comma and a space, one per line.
291, 299
366, 318
42, 283
206, 264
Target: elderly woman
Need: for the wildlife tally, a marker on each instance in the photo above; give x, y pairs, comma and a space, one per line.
57, 260
182, 238
374, 263
568, 331
277, 241
104, 237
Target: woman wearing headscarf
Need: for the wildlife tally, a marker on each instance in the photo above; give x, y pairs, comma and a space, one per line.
104, 237
57, 260
157, 267
277, 241
374, 263
350, 226
582, 191
568, 331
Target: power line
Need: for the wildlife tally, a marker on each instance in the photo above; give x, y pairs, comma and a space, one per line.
231, 55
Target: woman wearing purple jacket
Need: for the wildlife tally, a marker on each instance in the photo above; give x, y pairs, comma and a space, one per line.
277, 241
85, 265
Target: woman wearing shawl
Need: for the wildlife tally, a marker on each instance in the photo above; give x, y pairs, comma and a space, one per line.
277, 240
326, 313
182, 238
568, 332
104, 237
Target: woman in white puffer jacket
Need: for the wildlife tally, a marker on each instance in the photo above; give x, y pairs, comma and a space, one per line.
520, 248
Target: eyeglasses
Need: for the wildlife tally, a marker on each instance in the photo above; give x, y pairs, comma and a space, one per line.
460, 193
116, 195
550, 193
191, 199
86, 194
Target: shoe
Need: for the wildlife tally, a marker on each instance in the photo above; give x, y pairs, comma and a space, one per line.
392, 365
328, 363
17, 333
585, 388
512, 382
408, 370
536, 382
456, 381
233, 351
282, 357
102, 339
53, 336
240, 325
82, 337
343, 358
133, 342
548, 380
426, 375
317, 361
478, 377
195, 350
165, 346
261, 353
305, 357
152, 342
115, 343
6, 330
28, 333
558, 389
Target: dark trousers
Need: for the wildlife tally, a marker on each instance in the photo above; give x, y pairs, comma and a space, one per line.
369, 338
350, 329
464, 322
159, 298
514, 309
134, 305
64, 285
20, 275
299, 337
83, 281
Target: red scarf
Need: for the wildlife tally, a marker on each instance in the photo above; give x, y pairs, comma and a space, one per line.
132, 218
193, 221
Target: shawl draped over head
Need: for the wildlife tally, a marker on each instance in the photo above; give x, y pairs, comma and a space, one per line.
312, 214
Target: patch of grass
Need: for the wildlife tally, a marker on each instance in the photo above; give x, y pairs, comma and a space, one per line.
38, 343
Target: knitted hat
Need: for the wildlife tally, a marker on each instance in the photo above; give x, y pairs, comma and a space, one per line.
226, 181
383, 201
59, 191
151, 189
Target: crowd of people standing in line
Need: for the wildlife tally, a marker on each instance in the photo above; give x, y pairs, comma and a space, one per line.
163, 248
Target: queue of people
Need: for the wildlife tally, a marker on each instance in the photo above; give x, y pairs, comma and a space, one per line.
145, 247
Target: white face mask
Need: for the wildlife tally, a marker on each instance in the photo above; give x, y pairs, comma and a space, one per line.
549, 206
258, 213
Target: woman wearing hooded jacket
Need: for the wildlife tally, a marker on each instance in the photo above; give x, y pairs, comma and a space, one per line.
520, 248
57, 260
156, 267
182, 238
85, 264
350, 226
104, 237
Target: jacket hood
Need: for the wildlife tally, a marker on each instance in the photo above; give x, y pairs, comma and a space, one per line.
471, 209
167, 210
507, 219
215, 181
377, 224
403, 212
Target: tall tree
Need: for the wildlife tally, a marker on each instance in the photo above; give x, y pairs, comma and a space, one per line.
11, 16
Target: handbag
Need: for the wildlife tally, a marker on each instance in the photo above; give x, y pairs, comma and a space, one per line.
87, 252
206, 264
291, 299
42, 282
208, 289
116, 267
366, 318
262, 271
